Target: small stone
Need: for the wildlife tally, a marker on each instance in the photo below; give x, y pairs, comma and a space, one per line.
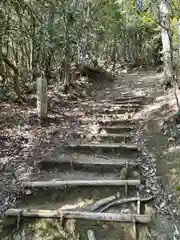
13, 181
28, 192
126, 211
135, 174
162, 237
24, 177
19, 171
170, 197
162, 204
145, 168
141, 187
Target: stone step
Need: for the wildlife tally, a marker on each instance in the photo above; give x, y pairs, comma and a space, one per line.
116, 129
104, 147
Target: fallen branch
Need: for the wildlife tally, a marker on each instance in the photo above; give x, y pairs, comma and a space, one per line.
100, 203
91, 235
78, 183
126, 200
34, 213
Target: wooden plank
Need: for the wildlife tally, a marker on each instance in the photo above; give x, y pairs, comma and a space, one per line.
119, 137
90, 162
106, 121
103, 145
110, 116
115, 110
119, 101
117, 128
116, 122
79, 183
128, 98
112, 217
87, 164
109, 104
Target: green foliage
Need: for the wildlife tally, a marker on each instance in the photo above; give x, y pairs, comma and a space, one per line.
45, 34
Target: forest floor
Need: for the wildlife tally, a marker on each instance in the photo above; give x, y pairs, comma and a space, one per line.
24, 141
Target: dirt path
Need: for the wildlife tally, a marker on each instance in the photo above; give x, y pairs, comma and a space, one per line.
106, 160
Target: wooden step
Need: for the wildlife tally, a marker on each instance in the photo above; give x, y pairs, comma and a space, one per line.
116, 129
106, 121
85, 163
81, 175
128, 97
104, 147
110, 116
109, 104
113, 137
80, 183
112, 217
130, 102
116, 110
117, 122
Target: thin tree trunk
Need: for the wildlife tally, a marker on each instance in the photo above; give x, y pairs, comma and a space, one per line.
165, 12
15, 77
50, 50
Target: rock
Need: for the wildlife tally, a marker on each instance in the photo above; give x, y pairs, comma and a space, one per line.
126, 211
13, 181
135, 174
148, 190
162, 204
24, 176
28, 192
124, 71
19, 171
162, 237
171, 141
141, 187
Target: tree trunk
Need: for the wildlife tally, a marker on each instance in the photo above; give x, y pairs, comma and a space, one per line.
17, 88
51, 18
165, 12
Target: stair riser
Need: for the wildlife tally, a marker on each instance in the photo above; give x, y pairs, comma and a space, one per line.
116, 106
117, 122
130, 98
116, 130
117, 111
96, 168
116, 139
108, 150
